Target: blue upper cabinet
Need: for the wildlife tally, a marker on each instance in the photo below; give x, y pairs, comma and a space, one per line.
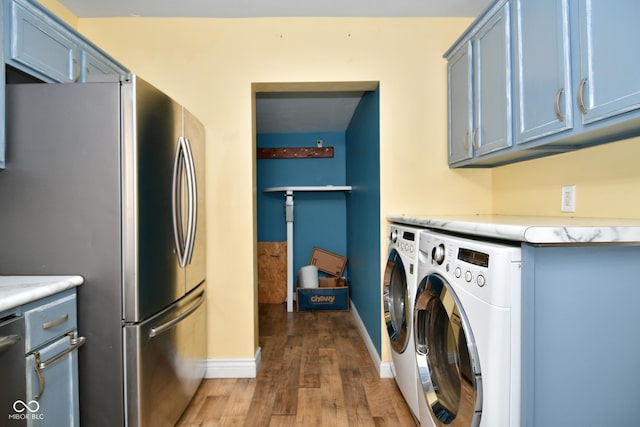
95, 67
479, 81
542, 67
551, 96
492, 79
574, 83
608, 83
461, 122
39, 44
3, 78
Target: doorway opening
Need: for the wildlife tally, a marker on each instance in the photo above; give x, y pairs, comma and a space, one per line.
296, 125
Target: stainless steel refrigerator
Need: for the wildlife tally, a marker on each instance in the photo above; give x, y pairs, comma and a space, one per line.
106, 180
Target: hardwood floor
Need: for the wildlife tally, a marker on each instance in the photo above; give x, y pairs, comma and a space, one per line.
315, 371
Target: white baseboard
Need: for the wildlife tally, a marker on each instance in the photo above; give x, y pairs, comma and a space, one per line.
384, 368
234, 368
248, 368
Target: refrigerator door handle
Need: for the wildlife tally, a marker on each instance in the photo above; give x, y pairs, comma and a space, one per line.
176, 202
157, 330
193, 201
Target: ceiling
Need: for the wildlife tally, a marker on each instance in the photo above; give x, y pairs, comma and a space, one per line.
274, 8
285, 112
296, 112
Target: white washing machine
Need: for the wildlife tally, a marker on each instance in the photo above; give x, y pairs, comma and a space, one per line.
467, 331
399, 290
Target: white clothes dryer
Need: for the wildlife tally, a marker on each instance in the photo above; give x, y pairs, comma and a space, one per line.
399, 289
467, 331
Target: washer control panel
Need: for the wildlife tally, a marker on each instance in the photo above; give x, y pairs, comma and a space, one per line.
488, 270
469, 276
404, 241
467, 264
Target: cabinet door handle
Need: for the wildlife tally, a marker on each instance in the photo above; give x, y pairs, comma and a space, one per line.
557, 105
54, 323
76, 342
76, 68
465, 143
583, 82
473, 139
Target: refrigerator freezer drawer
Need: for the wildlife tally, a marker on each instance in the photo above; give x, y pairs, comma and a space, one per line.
165, 362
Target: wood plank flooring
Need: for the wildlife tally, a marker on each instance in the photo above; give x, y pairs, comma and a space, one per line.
315, 371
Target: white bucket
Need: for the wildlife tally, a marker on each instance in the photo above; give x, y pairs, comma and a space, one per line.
308, 277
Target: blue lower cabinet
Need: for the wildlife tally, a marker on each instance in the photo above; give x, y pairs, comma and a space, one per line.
52, 385
580, 345
51, 369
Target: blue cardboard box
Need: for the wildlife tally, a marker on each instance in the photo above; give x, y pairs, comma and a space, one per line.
323, 299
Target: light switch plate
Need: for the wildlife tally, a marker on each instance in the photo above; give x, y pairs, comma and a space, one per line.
568, 198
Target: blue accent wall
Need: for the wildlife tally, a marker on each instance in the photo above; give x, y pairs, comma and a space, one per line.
363, 213
344, 223
320, 219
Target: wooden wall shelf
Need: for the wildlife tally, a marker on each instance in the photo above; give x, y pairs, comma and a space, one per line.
295, 153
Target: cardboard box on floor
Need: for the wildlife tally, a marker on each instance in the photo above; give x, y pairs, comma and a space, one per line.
323, 299
333, 293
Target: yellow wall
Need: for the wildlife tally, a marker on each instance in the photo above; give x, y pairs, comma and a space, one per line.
61, 12
210, 65
607, 180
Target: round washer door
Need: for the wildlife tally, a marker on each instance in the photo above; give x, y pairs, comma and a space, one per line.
446, 356
397, 310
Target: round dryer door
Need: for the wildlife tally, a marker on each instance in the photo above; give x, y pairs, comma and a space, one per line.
446, 356
396, 302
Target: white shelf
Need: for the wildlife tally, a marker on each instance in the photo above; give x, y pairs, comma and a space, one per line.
294, 188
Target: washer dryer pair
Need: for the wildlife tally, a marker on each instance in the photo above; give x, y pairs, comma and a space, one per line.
467, 331
399, 290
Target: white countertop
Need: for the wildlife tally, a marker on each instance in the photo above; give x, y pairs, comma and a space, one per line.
19, 290
536, 230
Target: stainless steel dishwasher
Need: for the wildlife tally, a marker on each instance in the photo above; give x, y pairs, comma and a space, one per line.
12, 368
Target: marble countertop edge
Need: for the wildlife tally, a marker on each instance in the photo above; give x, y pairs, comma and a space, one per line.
535, 230
19, 290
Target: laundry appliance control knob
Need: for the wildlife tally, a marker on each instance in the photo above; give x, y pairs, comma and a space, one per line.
481, 281
438, 254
